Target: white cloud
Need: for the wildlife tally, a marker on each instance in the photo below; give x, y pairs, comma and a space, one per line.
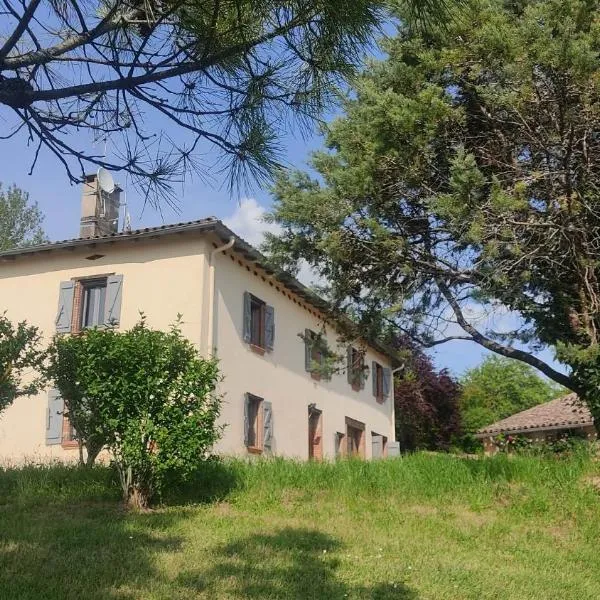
248, 221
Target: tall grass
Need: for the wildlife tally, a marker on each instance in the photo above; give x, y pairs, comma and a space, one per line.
415, 478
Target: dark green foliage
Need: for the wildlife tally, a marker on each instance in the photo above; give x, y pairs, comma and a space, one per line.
146, 395
20, 220
463, 178
20, 359
501, 387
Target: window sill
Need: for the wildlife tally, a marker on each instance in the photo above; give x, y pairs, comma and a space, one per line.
257, 349
254, 450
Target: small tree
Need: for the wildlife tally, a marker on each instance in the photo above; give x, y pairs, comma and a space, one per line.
20, 355
20, 219
500, 387
425, 401
147, 394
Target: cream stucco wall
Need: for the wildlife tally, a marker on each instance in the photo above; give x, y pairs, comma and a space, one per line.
169, 275
161, 277
279, 376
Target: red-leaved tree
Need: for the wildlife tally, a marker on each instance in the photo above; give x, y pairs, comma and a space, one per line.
426, 402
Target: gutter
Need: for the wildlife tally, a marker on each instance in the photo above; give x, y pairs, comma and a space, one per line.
210, 338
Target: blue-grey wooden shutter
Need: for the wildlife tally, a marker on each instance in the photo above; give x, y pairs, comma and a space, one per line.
269, 327
374, 377
377, 446
246, 419
308, 340
350, 366
247, 319
337, 441
65, 306
54, 418
114, 295
387, 382
393, 449
267, 426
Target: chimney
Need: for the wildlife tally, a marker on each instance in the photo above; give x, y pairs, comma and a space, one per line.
99, 210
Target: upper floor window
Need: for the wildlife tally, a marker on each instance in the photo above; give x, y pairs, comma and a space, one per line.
315, 354
355, 368
381, 381
259, 322
89, 302
93, 296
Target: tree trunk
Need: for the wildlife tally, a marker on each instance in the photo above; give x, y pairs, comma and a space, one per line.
137, 498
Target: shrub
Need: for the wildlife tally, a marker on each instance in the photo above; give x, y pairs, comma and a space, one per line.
145, 394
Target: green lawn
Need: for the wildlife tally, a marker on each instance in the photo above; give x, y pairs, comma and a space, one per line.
422, 527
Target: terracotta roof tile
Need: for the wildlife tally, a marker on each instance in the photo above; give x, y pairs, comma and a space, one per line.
566, 412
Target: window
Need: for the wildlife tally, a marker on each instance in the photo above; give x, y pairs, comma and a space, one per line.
93, 295
339, 441
89, 302
378, 445
381, 381
258, 424
253, 438
69, 435
356, 368
259, 323
257, 327
355, 436
315, 353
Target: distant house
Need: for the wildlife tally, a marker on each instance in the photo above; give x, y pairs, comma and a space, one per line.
543, 422
269, 332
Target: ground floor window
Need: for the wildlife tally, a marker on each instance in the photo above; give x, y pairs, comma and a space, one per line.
253, 425
378, 445
355, 438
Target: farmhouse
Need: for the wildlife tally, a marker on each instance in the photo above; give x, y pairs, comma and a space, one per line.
544, 422
268, 331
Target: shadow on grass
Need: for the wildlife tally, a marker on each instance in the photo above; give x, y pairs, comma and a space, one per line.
293, 563
88, 550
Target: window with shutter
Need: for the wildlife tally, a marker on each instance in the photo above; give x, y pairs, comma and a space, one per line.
315, 353
356, 368
378, 377
259, 323
253, 423
355, 436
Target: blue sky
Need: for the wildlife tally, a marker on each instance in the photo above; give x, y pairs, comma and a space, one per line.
60, 202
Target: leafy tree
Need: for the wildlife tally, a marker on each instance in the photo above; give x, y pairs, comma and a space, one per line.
425, 402
464, 177
146, 395
500, 387
20, 355
20, 220
227, 73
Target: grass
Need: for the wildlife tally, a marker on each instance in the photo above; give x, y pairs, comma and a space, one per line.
423, 527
